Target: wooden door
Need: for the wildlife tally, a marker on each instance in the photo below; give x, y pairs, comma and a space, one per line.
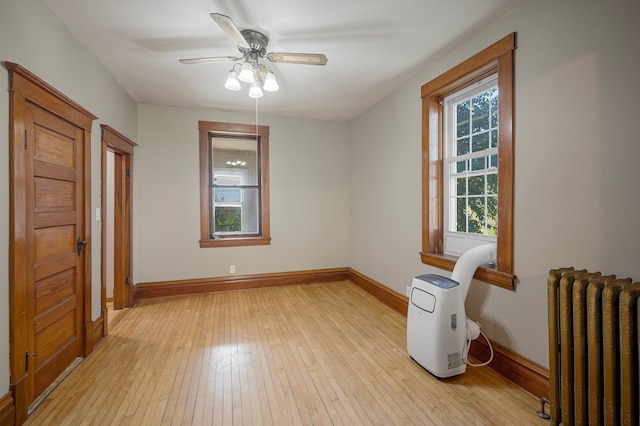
50, 297
120, 246
56, 236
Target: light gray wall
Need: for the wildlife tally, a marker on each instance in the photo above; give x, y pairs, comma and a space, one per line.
33, 37
308, 189
576, 154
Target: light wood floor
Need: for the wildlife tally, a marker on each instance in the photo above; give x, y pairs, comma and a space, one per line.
114, 315
316, 354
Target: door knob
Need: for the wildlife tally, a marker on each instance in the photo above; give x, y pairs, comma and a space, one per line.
81, 243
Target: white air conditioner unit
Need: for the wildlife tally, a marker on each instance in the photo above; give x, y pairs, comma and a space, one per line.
438, 331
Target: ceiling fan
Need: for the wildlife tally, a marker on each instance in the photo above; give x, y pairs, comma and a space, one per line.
252, 45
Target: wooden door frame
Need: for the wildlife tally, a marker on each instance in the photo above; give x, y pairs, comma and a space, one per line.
122, 146
25, 87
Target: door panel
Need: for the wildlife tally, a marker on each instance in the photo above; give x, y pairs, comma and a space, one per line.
46, 269
53, 195
55, 141
47, 169
44, 323
54, 347
57, 163
52, 289
54, 241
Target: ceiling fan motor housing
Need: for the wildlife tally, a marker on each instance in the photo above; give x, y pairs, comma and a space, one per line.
257, 42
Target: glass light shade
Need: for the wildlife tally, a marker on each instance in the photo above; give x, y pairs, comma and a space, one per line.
246, 73
255, 91
270, 83
232, 81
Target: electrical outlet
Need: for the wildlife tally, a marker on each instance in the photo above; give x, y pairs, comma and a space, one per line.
408, 291
232, 269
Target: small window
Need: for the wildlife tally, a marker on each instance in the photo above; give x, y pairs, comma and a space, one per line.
234, 184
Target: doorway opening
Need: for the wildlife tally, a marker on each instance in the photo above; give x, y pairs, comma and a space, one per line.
117, 166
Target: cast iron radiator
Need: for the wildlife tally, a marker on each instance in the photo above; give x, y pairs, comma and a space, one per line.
593, 348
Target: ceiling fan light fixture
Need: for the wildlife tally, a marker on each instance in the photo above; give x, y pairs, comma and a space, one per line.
252, 45
247, 73
232, 81
270, 83
255, 91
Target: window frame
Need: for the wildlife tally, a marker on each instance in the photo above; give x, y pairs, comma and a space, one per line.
495, 59
206, 130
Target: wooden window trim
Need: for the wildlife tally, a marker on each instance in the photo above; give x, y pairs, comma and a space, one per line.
205, 128
497, 58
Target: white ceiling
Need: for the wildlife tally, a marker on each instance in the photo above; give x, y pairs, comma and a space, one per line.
373, 46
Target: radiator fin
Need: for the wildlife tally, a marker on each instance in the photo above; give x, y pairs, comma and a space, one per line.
581, 376
629, 299
594, 348
553, 284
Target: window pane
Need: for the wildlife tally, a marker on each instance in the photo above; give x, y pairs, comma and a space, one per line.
494, 108
480, 142
476, 185
476, 215
462, 119
478, 163
494, 161
235, 156
228, 219
461, 166
236, 211
230, 178
480, 113
462, 146
461, 186
494, 138
492, 183
492, 215
227, 195
461, 215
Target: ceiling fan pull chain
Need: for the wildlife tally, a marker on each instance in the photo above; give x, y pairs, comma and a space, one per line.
256, 118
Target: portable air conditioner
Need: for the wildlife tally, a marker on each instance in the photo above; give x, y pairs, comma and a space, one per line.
438, 331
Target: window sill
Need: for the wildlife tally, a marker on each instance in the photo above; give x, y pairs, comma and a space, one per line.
236, 242
491, 276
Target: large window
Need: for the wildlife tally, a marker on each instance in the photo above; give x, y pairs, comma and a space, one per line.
468, 162
234, 184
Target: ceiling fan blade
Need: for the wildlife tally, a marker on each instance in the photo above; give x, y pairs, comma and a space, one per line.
210, 59
230, 28
298, 58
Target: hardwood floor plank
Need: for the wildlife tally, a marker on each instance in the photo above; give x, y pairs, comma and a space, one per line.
202, 409
322, 354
